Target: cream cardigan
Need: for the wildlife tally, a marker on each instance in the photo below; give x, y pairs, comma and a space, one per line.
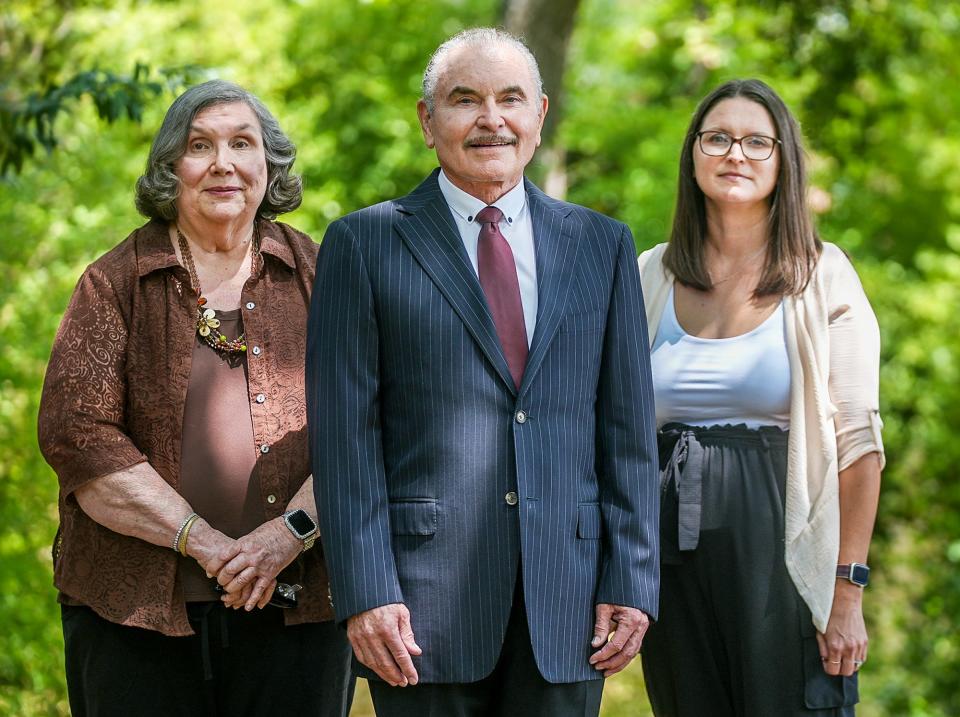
834, 346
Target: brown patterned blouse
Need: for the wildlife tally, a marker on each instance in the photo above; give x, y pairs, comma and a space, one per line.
114, 396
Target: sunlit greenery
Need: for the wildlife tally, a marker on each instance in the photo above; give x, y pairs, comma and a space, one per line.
874, 82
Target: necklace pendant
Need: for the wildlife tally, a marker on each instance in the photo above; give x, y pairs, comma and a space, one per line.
207, 321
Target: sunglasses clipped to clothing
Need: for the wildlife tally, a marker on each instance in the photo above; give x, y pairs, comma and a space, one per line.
284, 595
754, 146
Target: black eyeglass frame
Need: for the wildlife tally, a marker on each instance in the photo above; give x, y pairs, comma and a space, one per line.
737, 140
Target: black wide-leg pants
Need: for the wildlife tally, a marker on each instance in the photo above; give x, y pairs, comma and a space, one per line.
734, 638
237, 664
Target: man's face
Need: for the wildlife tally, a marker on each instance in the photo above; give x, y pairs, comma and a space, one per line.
486, 119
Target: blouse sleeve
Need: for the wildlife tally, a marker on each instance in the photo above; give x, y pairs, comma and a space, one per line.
82, 417
854, 364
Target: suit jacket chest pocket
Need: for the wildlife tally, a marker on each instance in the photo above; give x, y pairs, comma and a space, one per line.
577, 353
583, 322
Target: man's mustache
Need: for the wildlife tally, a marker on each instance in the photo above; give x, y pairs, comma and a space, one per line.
489, 139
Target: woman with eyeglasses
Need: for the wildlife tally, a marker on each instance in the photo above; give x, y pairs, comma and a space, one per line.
765, 357
174, 414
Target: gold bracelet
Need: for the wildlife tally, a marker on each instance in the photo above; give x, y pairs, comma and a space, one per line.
182, 544
176, 538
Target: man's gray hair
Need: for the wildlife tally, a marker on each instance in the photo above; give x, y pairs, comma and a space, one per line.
475, 37
159, 187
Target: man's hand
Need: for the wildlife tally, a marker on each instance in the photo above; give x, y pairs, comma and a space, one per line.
843, 647
622, 645
382, 639
249, 569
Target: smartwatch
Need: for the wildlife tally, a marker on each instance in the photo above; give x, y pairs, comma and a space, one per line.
857, 573
302, 526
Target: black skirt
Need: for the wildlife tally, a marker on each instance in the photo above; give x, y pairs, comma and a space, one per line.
733, 638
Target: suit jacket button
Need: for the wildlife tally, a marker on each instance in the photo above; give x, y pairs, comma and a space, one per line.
521, 416
510, 498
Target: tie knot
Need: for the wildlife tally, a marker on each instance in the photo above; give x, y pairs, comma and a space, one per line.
489, 215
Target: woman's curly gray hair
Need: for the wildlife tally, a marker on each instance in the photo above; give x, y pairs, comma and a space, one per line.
159, 187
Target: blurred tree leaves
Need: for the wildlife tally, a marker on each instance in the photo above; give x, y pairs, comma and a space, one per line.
867, 79
874, 83
29, 123
356, 100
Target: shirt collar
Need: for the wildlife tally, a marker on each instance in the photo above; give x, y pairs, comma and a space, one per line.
274, 243
156, 251
466, 205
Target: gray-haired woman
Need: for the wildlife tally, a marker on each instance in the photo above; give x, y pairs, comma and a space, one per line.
173, 413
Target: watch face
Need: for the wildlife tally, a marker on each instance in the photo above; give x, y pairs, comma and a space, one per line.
301, 522
859, 574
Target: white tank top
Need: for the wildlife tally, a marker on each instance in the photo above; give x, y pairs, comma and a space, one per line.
706, 382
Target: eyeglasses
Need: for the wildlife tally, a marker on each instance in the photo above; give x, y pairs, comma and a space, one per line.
754, 146
284, 595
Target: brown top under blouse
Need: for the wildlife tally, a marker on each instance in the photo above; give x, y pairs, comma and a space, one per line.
219, 475
115, 395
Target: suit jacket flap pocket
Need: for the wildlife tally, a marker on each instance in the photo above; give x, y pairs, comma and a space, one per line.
588, 521
413, 517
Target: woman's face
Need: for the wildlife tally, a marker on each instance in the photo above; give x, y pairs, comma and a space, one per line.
223, 171
733, 178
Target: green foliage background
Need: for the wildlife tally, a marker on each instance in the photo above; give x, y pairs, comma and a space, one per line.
874, 83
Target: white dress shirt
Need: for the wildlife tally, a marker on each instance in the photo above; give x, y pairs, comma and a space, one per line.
516, 228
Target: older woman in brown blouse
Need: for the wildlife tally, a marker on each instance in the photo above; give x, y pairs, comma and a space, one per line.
173, 413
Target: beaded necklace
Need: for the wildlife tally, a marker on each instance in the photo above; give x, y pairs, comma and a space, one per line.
207, 321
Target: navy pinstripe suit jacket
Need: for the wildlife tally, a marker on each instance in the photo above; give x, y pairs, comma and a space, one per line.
415, 440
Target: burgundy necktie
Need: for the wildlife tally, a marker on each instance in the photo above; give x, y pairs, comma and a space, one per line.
498, 277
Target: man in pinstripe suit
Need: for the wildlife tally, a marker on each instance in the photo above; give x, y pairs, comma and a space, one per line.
481, 419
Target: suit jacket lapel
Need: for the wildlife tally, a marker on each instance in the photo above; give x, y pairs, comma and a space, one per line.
432, 237
557, 249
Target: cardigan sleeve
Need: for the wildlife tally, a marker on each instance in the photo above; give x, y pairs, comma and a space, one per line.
854, 383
